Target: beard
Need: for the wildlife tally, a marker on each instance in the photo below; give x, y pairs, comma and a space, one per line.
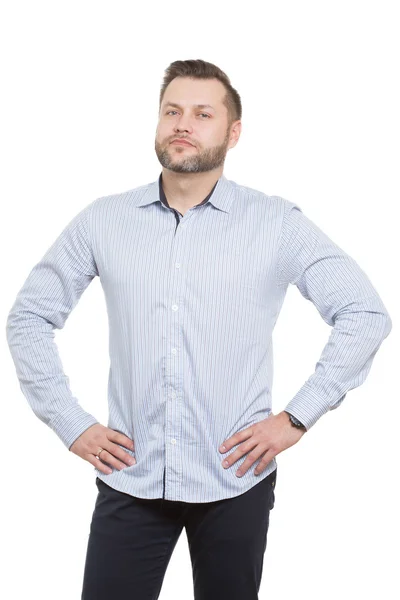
196, 162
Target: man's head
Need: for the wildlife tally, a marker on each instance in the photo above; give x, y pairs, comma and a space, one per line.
212, 129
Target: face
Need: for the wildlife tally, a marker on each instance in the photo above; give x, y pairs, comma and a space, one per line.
205, 127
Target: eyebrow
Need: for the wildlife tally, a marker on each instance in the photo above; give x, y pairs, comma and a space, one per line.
195, 105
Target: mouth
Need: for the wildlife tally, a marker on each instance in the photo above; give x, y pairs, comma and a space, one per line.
182, 143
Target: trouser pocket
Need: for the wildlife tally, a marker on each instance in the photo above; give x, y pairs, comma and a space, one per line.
273, 485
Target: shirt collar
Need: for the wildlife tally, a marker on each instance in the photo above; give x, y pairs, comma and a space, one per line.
221, 196
163, 197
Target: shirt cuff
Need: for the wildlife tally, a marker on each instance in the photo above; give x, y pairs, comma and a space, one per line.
309, 405
71, 423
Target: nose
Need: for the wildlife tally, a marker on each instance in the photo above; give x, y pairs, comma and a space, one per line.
183, 124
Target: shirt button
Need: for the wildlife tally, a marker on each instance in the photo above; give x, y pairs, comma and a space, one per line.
174, 351
177, 265
174, 307
173, 441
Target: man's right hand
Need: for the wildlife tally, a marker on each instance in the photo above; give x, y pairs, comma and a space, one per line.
89, 443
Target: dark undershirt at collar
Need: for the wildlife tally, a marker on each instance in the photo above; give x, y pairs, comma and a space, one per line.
164, 200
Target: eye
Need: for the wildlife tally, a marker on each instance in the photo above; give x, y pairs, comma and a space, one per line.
174, 111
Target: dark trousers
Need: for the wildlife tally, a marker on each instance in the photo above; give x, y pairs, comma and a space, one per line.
131, 541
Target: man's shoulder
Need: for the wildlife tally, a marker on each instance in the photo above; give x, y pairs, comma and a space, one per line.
274, 199
130, 196
131, 193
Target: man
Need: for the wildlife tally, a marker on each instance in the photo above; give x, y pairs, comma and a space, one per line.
194, 268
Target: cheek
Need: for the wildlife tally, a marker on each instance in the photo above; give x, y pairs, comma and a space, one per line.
163, 134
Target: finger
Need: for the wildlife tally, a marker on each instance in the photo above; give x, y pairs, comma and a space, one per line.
109, 458
265, 460
96, 462
250, 460
120, 438
239, 452
232, 458
120, 453
235, 439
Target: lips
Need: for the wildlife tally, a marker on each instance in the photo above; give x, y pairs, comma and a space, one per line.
183, 142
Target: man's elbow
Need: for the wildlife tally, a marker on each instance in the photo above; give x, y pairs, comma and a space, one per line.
388, 325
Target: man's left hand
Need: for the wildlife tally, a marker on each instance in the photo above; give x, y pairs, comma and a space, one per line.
264, 439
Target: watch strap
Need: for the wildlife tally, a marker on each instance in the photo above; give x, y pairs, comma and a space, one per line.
295, 422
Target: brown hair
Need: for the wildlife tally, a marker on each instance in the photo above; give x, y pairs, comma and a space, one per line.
200, 69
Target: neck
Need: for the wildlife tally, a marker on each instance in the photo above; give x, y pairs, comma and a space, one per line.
188, 189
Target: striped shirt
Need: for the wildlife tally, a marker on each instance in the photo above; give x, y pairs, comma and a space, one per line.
192, 302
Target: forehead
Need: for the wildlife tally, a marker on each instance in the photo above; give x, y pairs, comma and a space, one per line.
196, 93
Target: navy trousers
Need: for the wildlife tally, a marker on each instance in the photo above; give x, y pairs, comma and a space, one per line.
131, 541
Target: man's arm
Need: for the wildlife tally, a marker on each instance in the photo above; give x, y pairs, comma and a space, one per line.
345, 298
43, 304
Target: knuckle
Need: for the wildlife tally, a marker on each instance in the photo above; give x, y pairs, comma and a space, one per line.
108, 434
94, 447
95, 440
116, 450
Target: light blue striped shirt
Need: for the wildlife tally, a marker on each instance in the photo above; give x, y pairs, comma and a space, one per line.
192, 302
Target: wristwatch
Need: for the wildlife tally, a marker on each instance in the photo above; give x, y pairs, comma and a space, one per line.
295, 422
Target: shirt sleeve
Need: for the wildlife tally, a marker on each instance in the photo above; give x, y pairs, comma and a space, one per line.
47, 297
346, 300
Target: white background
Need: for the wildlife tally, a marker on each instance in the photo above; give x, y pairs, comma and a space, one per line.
320, 127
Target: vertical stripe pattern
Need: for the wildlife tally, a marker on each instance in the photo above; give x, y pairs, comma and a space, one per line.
192, 302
